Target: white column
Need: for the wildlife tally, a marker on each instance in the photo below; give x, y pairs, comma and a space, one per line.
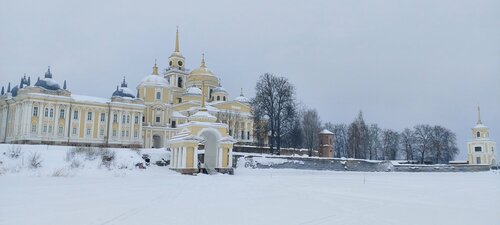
184, 157
219, 157
172, 157
195, 157
230, 158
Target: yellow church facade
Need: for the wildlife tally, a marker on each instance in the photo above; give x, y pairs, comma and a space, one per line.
164, 106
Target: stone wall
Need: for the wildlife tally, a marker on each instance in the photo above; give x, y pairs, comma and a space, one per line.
336, 164
441, 168
313, 163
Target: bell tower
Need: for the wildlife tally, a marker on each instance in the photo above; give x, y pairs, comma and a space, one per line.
176, 73
481, 149
176, 60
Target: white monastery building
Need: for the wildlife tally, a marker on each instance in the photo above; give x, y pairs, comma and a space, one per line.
166, 105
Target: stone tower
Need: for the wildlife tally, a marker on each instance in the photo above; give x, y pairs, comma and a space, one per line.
326, 144
481, 149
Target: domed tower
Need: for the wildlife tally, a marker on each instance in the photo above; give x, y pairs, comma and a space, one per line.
202, 75
481, 149
219, 94
192, 93
242, 98
176, 73
123, 91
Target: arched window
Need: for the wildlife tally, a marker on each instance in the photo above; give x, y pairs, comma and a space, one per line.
218, 98
179, 82
478, 134
224, 98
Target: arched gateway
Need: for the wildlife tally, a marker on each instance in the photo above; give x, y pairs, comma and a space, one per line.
202, 145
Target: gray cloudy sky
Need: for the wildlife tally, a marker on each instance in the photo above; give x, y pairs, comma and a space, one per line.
401, 62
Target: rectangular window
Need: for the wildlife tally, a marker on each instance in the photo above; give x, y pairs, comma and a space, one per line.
35, 111
158, 95
179, 100
103, 117
174, 125
143, 119
60, 130
74, 131
158, 119
248, 135
51, 113
136, 134
101, 132
128, 119
75, 115
50, 129
89, 131
127, 133
33, 128
242, 134
477, 148
136, 120
123, 118
45, 128
61, 114
115, 118
123, 133
114, 133
46, 114
89, 116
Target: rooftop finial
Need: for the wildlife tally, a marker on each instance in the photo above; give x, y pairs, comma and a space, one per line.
124, 83
479, 115
48, 74
155, 69
202, 60
241, 93
177, 40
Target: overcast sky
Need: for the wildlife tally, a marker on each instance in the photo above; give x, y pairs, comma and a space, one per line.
402, 62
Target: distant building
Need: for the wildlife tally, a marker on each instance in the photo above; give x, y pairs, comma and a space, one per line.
481, 149
326, 144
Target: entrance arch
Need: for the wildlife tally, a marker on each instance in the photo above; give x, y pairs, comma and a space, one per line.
211, 139
157, 142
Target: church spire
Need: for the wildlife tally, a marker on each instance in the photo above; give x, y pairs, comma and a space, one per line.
155, 69
479, 115
177, 40
202, 60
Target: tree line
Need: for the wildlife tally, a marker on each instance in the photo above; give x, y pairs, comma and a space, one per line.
279, 118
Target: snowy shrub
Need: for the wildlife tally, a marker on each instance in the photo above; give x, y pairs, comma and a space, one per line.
35, 160
107, 158
90, 153
14, 151
60, 173
75, 163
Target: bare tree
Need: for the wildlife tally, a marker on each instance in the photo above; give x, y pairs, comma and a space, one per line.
408, 140
375, 144
423, 137
357, 138
232, 118
311, 126
275, 100
390, 144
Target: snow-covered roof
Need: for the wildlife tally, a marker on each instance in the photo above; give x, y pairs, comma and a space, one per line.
193, 90
153, 80
220, 90
325, 131
85, 98
178, 115
48, 83
124, 92
480, 125
242, 99
202, 116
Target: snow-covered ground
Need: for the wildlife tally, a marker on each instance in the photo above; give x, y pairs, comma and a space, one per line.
97, 195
